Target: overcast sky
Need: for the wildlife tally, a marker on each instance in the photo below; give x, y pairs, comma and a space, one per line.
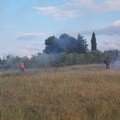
25, 24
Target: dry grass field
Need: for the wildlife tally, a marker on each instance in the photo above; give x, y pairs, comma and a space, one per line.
84, 92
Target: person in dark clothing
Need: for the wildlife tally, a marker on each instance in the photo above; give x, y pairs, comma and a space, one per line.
107, 63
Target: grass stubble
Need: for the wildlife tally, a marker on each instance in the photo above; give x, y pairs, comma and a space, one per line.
69, 93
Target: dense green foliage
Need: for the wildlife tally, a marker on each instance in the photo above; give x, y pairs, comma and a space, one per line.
61, 59
65, 43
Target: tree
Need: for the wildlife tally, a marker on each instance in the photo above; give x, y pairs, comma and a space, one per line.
50, 45
93, 43
66, 43
82, 46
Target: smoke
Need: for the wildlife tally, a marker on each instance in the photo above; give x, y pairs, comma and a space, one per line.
54, 48
8, 63
37, 61
45, 60
116, 64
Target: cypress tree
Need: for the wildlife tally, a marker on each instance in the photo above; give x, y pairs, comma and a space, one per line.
93, 43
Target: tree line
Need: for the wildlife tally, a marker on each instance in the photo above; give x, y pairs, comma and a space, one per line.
58, 60
68, 44
62, 51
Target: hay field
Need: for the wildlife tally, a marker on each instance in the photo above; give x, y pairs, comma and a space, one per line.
84, 92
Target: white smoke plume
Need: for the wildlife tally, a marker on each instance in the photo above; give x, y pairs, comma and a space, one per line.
116, 65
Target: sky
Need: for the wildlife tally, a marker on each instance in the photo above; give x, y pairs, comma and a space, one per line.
25, 24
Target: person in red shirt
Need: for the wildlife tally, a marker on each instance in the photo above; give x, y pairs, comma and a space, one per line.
22, 66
